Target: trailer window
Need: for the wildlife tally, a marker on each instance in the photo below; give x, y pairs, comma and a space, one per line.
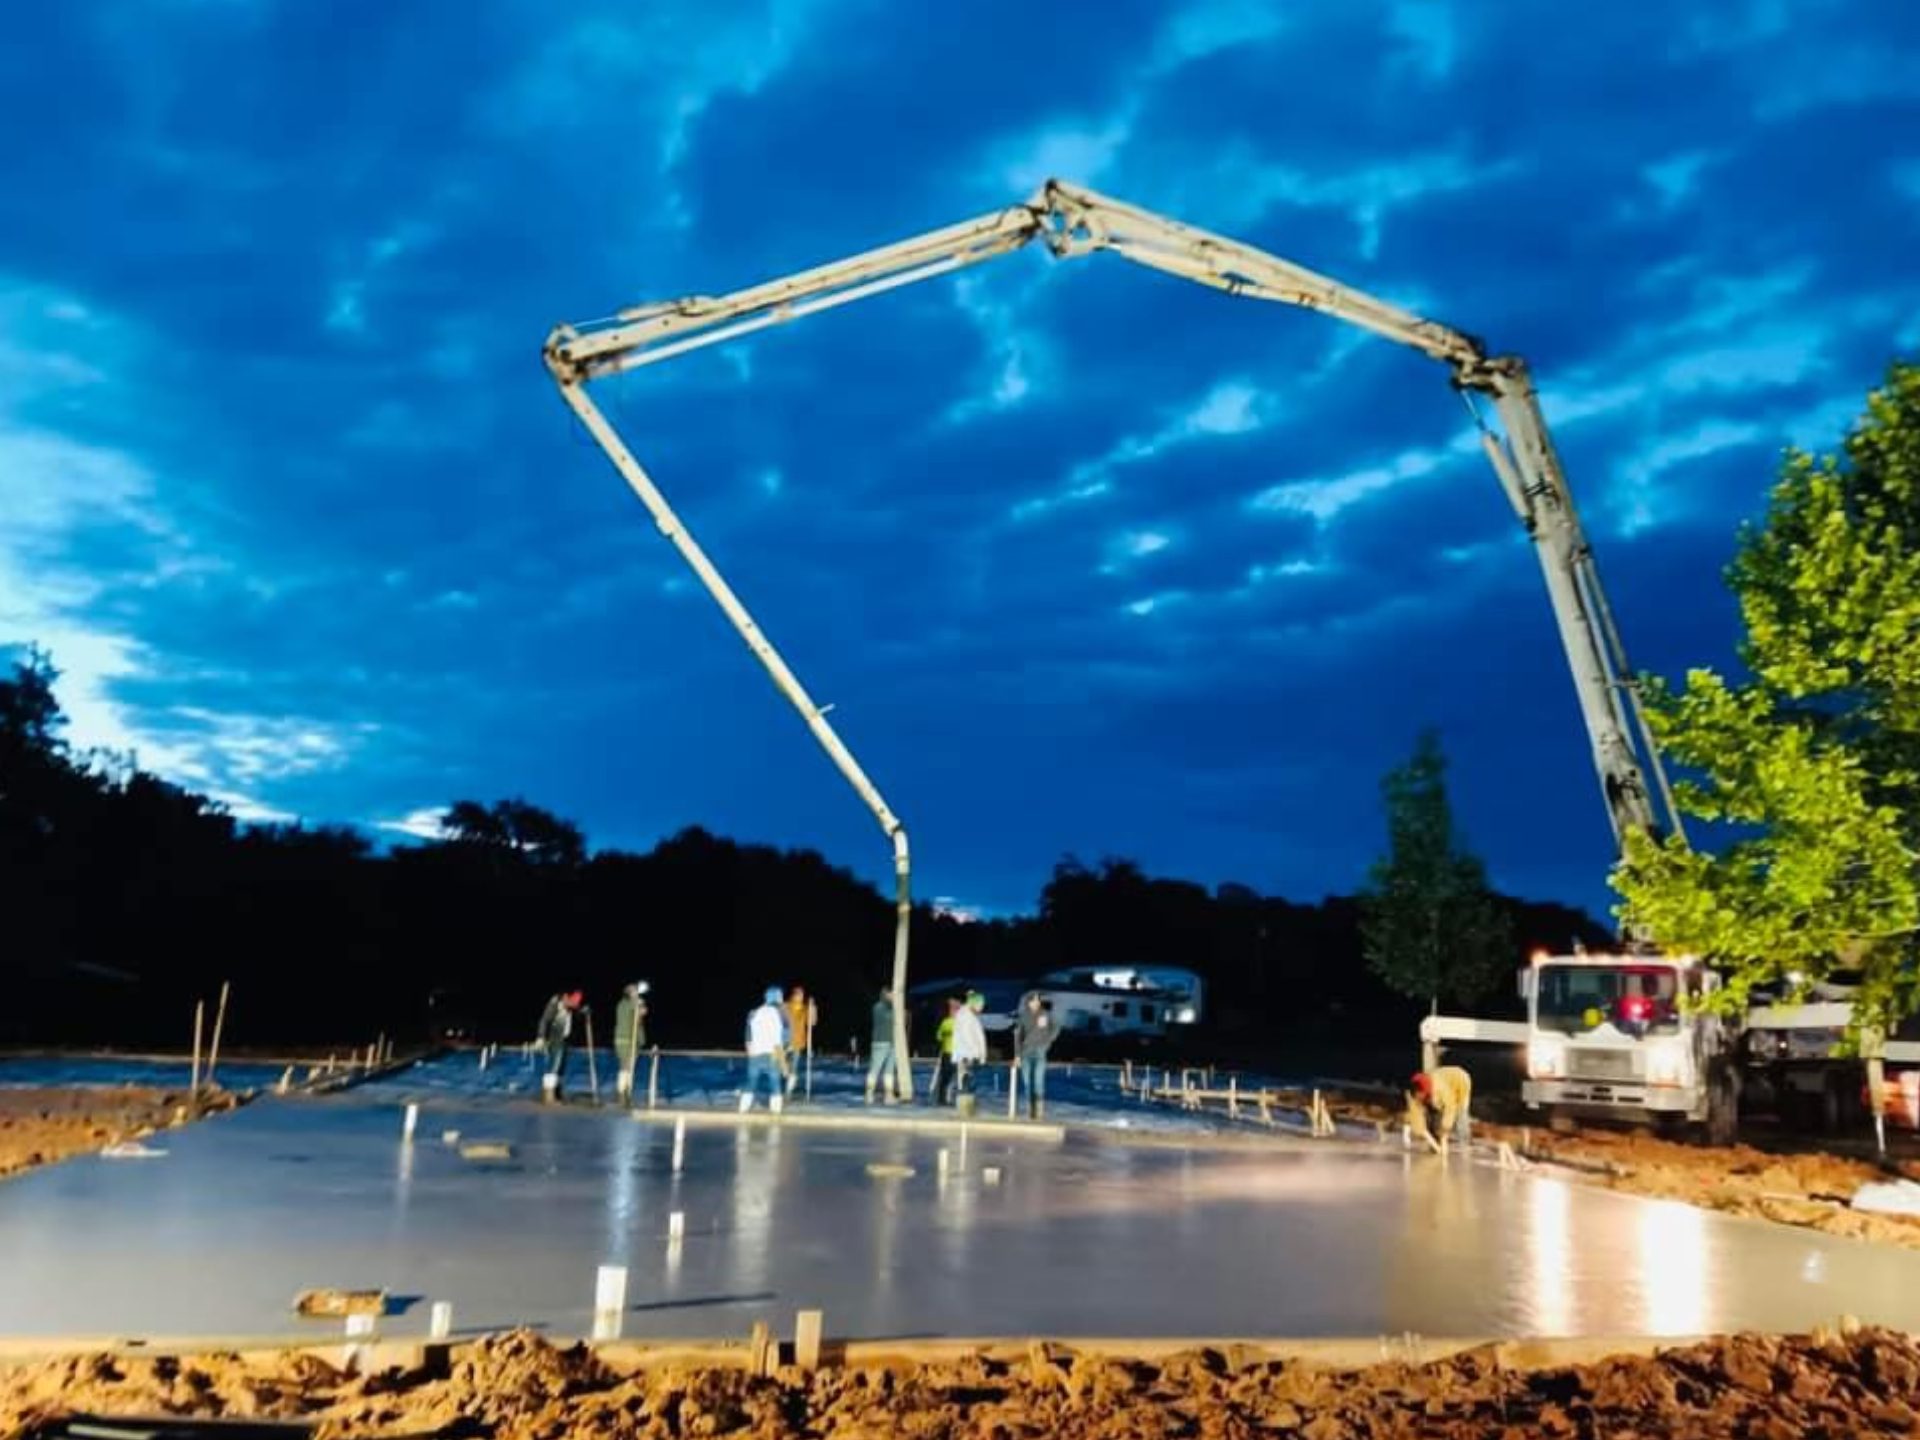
1637, 999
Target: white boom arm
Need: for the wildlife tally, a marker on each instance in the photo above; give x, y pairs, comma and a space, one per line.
1073, 221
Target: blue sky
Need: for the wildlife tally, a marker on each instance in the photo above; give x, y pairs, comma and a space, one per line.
1086, 558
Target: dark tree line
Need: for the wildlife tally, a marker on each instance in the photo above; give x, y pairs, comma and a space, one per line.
125, 897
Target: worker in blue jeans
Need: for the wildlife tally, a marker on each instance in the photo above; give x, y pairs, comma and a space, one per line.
880, 1077
1034, 1034
766, 1048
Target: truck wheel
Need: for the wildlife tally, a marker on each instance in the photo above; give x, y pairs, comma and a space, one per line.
1723, 1110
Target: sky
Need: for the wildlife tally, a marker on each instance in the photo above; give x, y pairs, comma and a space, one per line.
1087, 559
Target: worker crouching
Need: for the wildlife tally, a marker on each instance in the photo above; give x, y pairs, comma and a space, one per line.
1443, 1094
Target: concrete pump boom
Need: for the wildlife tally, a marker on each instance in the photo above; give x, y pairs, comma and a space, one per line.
1073, 221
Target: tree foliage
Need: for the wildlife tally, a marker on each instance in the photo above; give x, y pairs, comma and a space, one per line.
1809, 768
1431, 926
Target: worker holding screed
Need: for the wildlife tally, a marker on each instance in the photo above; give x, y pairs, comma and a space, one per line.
556, 1030
1446, 1092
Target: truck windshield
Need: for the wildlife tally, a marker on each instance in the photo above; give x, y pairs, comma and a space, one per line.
1635, 999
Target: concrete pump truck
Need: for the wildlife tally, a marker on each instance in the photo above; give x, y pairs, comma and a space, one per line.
1611, 1032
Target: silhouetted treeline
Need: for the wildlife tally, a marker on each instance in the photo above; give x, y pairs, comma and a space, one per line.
125, 898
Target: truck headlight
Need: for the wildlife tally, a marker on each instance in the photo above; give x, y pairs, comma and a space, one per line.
1546, 1058
1186, 1016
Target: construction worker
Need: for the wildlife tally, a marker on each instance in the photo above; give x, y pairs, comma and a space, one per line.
1033, 1036
942, 1091
801, 1013
629, 1035
1445, 1093
969, 1047
766, 1052
880, 1043
556, 1029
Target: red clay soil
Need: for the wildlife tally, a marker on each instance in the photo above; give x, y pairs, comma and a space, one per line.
518, 1387
41, 1125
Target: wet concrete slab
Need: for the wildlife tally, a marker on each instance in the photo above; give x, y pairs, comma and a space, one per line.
1092, 1237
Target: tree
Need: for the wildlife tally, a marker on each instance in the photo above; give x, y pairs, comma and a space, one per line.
1808, 771
514, 826
1430, 926
30, 717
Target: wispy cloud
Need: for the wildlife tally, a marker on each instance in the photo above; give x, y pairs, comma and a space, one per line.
1205, 27
71, 498
1326, 498
1231, 407
1082, 151
1018, 356
428, 823
1642, 495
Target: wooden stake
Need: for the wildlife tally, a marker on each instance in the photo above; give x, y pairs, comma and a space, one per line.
653, 1080
1233, 1096
760, 1349
593, 1067
199, 1020
219, 1023
807, 1326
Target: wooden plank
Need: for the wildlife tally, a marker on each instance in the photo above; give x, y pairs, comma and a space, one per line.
807, 1327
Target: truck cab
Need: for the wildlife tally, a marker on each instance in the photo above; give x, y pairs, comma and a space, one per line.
1613, 1035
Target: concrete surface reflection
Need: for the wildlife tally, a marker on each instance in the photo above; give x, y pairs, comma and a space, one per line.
1086, 1238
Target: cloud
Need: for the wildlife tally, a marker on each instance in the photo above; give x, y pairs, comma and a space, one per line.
1640, 498
1018, 356
86, 520
428, 823
1325, 499
1230, 407
1066, 150
1197, 30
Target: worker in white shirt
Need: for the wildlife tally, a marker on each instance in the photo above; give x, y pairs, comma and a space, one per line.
766, 1048
969, 1048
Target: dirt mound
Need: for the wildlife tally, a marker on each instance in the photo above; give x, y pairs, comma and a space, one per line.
519, 1387
41, 1125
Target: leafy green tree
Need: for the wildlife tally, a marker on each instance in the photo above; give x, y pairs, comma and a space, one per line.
1811, 765
1430, 926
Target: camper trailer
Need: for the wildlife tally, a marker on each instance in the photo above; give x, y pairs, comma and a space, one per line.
1181, 991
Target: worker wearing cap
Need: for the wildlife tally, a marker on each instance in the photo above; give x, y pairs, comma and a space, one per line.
766, 1049
556, 1029
1445, 1091
629, 1035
